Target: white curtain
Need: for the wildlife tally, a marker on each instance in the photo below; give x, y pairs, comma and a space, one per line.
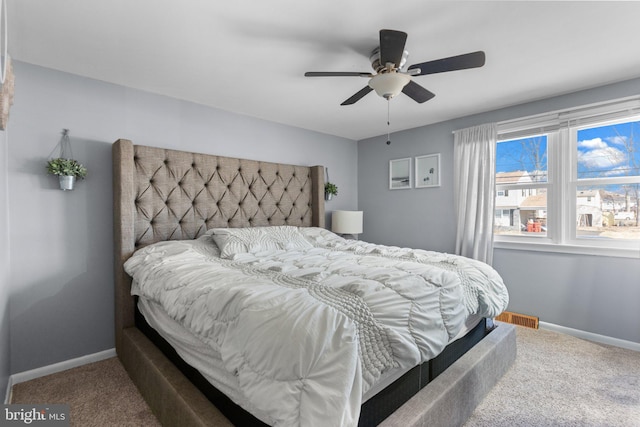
474, 157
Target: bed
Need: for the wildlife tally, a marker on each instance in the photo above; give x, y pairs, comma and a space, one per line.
189, 200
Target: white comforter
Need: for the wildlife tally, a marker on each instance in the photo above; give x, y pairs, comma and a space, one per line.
308, 330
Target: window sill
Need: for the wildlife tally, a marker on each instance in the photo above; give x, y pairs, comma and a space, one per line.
569, 249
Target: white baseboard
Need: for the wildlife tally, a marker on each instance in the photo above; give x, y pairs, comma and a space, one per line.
602, 339
21, 377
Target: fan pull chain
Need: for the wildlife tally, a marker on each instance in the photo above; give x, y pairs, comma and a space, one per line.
388, 122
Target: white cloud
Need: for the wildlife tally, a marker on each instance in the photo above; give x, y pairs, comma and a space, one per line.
592, 143
618, 171
602, 158
618, 140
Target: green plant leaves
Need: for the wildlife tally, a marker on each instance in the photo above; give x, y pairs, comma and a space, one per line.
66, 167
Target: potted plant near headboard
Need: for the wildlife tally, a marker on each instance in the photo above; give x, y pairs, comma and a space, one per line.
330, 190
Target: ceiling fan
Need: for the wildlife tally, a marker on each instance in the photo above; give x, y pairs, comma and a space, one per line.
389, 79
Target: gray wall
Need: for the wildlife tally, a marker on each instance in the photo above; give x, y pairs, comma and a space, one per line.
417, 217
61, 279
594, 294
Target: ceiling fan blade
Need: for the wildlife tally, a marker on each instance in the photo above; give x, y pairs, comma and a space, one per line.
453, 63
392, 46
416, 92
358, 96
337, 74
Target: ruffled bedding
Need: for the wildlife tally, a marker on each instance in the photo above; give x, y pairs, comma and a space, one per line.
307, 321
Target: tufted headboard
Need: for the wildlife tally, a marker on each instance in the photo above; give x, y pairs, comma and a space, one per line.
162, 194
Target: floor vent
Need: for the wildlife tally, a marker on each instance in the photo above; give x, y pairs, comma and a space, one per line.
518, 319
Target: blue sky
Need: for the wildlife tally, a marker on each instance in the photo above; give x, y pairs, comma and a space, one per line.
520, 154
612, 150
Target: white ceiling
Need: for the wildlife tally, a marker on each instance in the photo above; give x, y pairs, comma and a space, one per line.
249, 57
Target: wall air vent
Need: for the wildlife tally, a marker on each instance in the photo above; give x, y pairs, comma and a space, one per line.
518, 319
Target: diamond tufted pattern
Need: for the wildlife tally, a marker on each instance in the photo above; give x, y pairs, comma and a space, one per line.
179, 195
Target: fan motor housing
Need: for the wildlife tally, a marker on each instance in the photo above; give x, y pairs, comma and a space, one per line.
381, 68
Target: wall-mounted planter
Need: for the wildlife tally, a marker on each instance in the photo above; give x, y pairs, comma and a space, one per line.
330, 190
65, 167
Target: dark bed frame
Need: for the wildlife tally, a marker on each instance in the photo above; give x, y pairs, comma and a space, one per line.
162, 194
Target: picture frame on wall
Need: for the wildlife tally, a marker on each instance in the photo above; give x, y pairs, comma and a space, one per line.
400, 174
427, 171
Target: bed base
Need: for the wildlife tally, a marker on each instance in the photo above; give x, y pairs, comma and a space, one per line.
373, 412
450, 399
446, 401
172, 398
386, 402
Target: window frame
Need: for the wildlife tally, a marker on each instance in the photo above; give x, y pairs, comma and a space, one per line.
561, 129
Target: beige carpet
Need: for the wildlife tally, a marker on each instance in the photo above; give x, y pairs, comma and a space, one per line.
557, 380
99, 395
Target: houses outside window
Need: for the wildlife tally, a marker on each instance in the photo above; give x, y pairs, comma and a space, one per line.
570, 181
521, 166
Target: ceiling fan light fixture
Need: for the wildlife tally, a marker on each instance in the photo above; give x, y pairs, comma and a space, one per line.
388, 85
389, 58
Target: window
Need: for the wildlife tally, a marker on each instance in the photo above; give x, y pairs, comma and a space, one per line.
521, 166
570, 181
607, 180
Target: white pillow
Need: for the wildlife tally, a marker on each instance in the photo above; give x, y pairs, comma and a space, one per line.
233, 241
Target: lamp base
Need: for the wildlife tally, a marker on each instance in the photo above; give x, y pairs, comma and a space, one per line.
349, 236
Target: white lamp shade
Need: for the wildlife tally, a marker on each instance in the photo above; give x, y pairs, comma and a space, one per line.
346, 222
389, 85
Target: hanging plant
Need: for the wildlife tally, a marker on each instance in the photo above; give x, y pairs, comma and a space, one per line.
330, 190
66, 168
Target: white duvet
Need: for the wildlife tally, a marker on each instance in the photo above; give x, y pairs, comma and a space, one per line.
308, 321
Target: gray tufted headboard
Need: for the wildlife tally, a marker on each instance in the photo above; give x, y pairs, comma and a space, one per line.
162, 194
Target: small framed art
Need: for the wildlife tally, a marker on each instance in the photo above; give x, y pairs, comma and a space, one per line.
428, 171
400, 174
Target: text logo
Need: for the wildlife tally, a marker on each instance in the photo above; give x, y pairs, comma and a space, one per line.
35, 415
